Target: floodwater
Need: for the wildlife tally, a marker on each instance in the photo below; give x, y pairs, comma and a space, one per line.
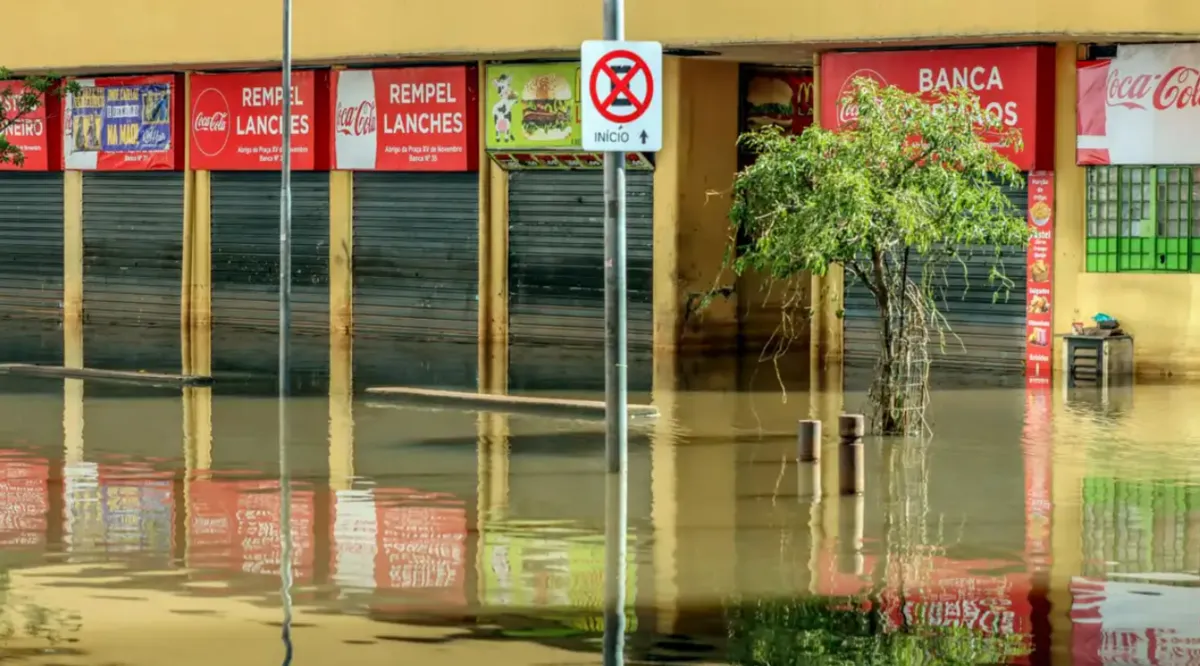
141, 526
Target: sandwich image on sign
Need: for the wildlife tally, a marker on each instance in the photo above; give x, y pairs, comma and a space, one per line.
548, 103
768, 102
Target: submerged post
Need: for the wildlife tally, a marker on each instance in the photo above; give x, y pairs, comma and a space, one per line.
851, 459
808, 444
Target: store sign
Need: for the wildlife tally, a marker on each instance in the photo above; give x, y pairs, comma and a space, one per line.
24, 487
533, 107
559, 160
409, 119
122, 124
35, 133
1126, 623
137, 508
1141, 107
1039, 319
779, 97
236, 121
234, 526
422, 545
1014, 84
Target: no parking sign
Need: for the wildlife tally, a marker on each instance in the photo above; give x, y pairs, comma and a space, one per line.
622, 96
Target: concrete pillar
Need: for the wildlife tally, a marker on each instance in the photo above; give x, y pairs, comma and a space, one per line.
826, 333
341, 256
692, 179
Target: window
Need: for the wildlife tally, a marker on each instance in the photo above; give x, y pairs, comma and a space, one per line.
1143, 219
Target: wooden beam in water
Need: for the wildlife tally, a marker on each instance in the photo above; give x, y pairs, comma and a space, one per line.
504, 403
129, 376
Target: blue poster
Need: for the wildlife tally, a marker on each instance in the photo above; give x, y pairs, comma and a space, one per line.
137, 118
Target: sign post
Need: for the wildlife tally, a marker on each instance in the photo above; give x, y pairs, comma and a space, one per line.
621, 112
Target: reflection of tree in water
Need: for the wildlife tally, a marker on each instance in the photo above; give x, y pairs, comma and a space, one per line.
860, 630
27, 621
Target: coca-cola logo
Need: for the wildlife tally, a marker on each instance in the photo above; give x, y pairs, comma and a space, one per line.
848, 112
356, 120
1178, 88
210, 122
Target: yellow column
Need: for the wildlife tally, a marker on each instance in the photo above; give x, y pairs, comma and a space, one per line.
187, 279
73, 269
200, 321
1069, 197
692, 180
341, 415
341, 256
493, 263
826, 341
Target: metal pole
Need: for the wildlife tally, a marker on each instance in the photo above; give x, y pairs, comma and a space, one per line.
285, 325
616, 431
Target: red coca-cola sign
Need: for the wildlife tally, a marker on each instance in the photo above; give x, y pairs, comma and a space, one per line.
1014, 84
356, 119
237, 122
1178, 89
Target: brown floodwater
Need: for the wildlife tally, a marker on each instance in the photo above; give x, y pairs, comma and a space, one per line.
141, 526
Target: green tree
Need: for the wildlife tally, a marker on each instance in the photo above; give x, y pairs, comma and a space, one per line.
17, 102
909, 178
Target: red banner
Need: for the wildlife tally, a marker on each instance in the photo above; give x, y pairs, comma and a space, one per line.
235, 121
24, 489
411, 119
37, 134
1039, 262
422, 545
126, 123
235, 527
1016, 84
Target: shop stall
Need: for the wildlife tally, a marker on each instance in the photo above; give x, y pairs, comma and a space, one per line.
556, 230
410, 136
123, 133
236, 135
1016, 84
31, 231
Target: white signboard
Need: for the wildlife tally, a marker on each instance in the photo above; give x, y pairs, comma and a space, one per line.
621, 96
1142, 107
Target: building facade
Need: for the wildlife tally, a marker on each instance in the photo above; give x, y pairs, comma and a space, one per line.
442, 197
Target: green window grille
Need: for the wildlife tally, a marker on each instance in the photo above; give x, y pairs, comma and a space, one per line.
1143, 219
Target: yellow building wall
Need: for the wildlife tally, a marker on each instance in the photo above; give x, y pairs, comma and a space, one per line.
134, 33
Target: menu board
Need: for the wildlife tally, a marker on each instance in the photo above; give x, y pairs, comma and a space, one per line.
83, 528
136, 507
24, 500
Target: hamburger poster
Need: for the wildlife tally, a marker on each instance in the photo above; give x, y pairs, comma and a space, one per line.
533, 106
778, 97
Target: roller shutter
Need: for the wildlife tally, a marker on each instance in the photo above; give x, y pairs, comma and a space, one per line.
31, 267
990, 325
245, 271
416, 278
556, 275
132, 269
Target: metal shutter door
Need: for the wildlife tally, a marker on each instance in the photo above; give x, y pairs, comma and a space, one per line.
245, 271
556, 274
132, 269
990, 326
416, 279
31, 267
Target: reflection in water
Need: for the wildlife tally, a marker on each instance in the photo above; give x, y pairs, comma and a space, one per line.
1039, 526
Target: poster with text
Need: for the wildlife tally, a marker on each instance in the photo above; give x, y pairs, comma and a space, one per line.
35, 133
236, 119
407, 119
136, 506
1039, 319
533, 106
779, 97
121, 124
24, 500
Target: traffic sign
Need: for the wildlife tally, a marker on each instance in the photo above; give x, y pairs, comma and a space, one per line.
622, 100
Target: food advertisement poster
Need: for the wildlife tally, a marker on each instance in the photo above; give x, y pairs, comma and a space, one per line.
779, 97
235, 121
1039, 332
24, 487
533, 107
122, 124
525, 571
137, 510
1140, 107
37, 133
1014, 83
406, 119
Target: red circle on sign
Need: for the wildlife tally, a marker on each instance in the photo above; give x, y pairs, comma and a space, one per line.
620, 86
210, 122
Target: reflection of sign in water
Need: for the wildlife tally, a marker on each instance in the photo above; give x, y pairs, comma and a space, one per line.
136, 508
355, 531
84, 522
235, 527
24, 500
562, 575
1132, 624
422, 543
